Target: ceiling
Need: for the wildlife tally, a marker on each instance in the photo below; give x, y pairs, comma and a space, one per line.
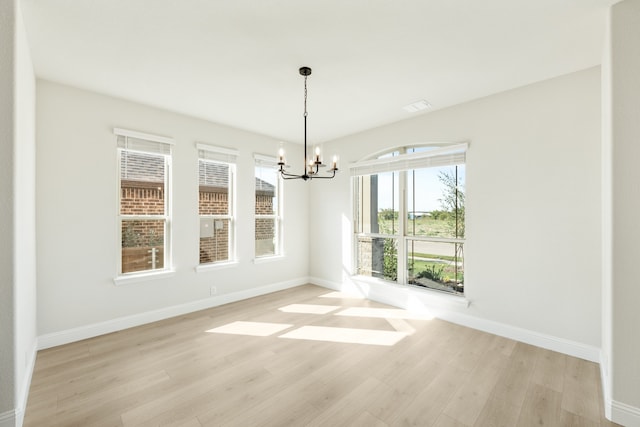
236, 62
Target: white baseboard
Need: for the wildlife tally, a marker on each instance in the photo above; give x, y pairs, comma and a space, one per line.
97, 329
615, 411
26, 385
441, 306
9, 419
15, 417
605, 381
624, 414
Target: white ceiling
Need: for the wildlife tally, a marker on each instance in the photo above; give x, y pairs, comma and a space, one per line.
236, 62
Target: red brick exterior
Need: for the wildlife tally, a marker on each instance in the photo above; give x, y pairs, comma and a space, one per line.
141, 198
213, 201
140, 237
265, 229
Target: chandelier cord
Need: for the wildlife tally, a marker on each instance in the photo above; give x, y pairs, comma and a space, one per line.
305, 126
305, 96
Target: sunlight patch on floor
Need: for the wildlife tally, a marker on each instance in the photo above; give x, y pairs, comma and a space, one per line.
383, 313
343, 295
308, 308
256, 329
345, 335
401, 325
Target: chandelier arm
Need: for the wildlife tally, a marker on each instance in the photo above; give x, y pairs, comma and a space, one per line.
286, 175
326, 177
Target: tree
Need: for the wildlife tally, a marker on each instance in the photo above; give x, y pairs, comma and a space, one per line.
390, 271
453, 200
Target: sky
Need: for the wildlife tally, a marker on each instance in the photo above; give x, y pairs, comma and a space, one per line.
429, 189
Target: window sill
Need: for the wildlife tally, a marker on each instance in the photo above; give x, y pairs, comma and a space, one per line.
266, 259
441, 296
428, 295
142, 277
215, 266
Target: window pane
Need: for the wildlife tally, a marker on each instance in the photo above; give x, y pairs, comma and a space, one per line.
266, 194
435, 202
378, 203
214, 240
214, 188
142, 244
265, 237
378, 257
142, 177
436, 265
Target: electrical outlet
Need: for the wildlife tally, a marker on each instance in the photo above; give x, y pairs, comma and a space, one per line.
213, 290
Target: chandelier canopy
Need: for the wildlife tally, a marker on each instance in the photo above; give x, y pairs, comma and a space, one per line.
313, 163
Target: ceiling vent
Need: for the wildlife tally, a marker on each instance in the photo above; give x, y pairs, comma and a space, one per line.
417, 106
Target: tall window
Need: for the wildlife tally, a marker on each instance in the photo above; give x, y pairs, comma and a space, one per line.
409, 210
216, 202
144, 163
268, 208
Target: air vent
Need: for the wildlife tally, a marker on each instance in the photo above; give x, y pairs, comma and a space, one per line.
417, 106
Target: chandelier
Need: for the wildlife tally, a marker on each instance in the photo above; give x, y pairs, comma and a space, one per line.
312, 164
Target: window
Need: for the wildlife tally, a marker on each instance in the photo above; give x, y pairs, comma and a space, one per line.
268, 217
409, 211
144, 165
216, 202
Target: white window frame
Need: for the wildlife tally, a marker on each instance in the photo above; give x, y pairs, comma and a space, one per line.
228, 157
270, 162
445, 155
128, 140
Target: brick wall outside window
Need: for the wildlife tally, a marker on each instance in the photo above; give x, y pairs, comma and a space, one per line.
140, 237
215, 248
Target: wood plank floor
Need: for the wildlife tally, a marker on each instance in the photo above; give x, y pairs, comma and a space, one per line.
310, 357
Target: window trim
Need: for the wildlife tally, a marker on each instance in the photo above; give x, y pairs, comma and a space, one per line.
164, 147
441, 156
146, 136
271, 162
228, 157
445, 155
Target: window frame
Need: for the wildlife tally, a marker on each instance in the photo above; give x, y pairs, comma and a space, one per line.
228, 157
269, 162
442, 154
139, 142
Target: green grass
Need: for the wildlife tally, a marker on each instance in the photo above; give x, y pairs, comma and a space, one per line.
447, 273
432, 256
424, 226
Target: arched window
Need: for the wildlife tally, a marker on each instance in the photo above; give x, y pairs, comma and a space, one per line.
410, 215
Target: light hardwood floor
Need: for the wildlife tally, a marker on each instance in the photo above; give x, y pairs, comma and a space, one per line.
270, 361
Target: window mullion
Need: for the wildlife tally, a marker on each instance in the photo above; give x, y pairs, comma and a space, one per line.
402, 219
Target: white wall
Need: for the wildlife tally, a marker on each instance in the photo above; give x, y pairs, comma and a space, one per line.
533, 208
17, 216
623, 314
607, 222
25, 219
77, 206
7, 274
